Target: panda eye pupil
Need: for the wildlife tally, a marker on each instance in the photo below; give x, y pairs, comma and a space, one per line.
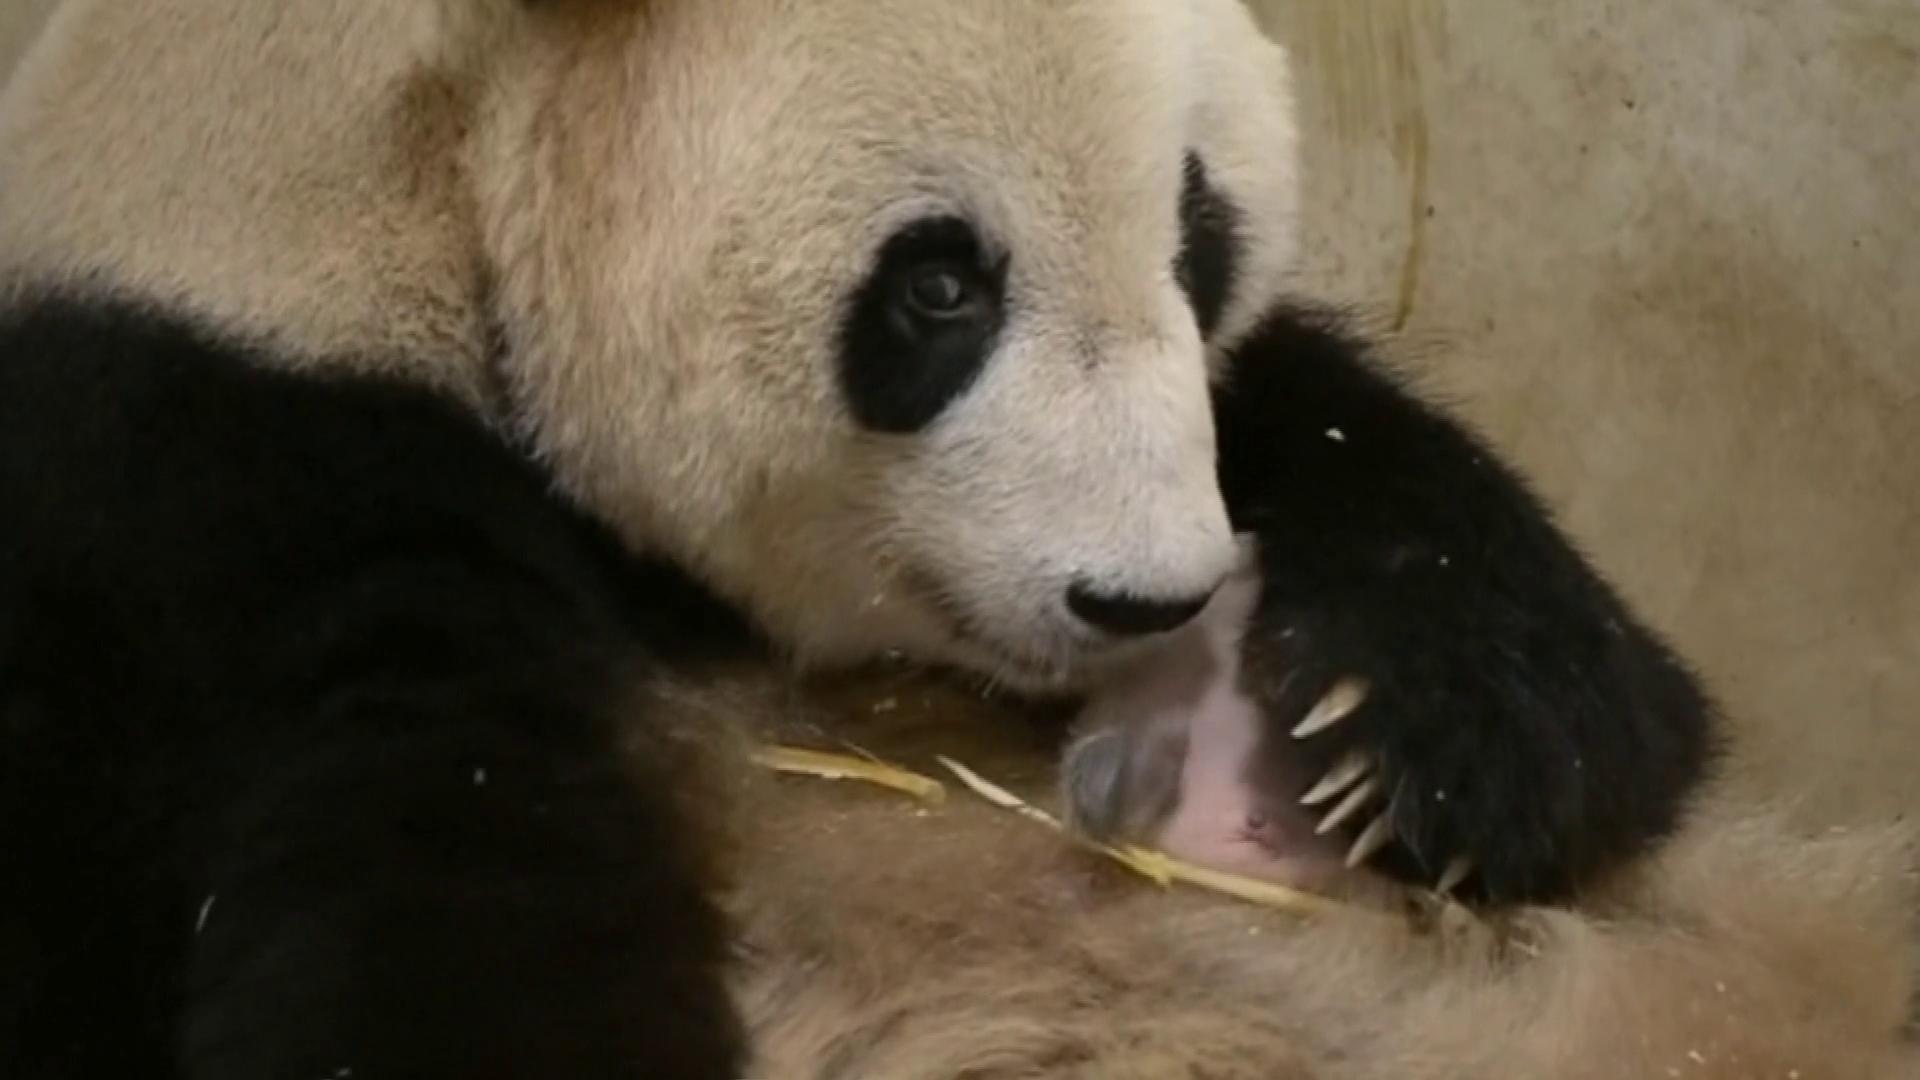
937, 291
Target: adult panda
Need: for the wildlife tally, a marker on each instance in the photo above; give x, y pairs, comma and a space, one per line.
337, 742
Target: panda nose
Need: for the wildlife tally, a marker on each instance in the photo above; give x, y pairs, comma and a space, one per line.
1132, 616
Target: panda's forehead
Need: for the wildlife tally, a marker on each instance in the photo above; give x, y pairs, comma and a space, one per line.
776, 145
1072, 120
1096, 97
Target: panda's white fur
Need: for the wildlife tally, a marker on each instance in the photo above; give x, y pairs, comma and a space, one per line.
384, 183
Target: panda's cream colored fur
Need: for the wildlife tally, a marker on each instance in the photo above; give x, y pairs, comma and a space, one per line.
289, 170
641, 196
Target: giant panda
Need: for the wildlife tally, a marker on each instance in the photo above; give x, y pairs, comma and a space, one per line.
420, 411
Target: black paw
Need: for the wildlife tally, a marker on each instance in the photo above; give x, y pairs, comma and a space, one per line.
1503, 741
1477, 698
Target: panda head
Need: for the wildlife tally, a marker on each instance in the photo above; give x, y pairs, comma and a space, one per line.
893, 319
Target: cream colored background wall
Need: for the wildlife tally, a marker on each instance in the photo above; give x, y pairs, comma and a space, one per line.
19, 21
1669, 255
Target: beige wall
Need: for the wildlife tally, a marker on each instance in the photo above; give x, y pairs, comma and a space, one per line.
1669, 255
19, 21
1672, 263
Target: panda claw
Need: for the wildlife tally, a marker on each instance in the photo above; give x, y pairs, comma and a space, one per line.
1348, 771
1377, 835
1351, 805
1338, 704
1456, 872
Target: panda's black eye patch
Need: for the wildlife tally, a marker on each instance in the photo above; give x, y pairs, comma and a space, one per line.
1209, 246
921, 326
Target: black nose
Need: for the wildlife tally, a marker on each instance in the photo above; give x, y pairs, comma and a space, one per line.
1131, 615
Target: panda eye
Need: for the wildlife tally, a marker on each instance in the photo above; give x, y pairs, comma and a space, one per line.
921, 325
939, 291
936, 290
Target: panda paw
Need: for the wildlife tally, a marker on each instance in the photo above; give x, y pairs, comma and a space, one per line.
1364, 799
1488, 760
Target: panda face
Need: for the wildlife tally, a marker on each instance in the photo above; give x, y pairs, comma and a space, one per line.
894, 319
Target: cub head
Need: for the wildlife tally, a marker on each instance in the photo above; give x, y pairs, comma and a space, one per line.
892, 319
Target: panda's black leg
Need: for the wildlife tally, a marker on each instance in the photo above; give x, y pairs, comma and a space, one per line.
81, 996
323, 720
1483, 710
482, 872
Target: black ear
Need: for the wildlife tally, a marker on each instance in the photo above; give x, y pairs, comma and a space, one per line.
1209, 246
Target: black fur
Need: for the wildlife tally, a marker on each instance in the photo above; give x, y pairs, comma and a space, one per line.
1209, 260
1520, 714
312, 700
901, 366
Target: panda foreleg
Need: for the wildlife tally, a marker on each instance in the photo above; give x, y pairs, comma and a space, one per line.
331, 741
1431, 644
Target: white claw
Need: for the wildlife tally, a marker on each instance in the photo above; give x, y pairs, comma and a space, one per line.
1346, 696
1374, 837
1456, 872
1345, 773
1348, 807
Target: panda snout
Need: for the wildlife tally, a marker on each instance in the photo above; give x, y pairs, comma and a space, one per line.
1127, 615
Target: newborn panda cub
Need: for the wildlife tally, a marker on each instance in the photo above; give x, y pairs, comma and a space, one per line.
1176, 753
1171, 754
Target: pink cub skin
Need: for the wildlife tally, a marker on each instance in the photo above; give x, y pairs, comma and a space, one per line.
1169, 755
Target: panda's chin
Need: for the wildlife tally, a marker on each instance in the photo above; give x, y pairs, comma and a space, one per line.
1013, 670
